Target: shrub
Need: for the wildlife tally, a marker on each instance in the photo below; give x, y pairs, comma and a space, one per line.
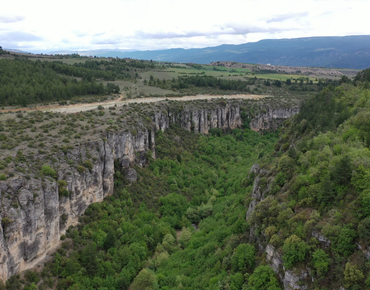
352, 275
295, 250
88, 164
364, 229
31, 276
243, 257
3, 176
320, 262
263, 277
62, 188
47, 170
146, 279
80, 168
345, 243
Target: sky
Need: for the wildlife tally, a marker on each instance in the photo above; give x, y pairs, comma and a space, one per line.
77, 25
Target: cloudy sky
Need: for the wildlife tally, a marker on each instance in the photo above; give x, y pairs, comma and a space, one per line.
42, 26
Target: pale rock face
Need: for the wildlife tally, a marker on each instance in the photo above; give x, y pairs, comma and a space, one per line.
321, 238
272, 118
257, 194
275, 258
291, 280
365, 250
33, 216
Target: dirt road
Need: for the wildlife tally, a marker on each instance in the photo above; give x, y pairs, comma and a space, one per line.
120, 102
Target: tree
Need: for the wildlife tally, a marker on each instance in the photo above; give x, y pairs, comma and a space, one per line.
243, 257
110, 240
352, 275
88, 258
263, 277
145, 280
236, 281
345, 244
320, 262
342, 172
364, 229
295, 250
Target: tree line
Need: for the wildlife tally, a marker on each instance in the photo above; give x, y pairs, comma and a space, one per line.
24, 82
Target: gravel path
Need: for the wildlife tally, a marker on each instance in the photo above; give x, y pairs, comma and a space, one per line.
120, 102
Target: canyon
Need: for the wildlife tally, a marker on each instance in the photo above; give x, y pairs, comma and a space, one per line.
34, 215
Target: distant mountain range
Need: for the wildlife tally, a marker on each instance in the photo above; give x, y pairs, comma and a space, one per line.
339, 52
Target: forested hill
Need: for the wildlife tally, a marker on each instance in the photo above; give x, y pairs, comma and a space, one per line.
315, 217
340, 52
24, 81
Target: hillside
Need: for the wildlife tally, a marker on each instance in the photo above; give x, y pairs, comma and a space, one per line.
332, 52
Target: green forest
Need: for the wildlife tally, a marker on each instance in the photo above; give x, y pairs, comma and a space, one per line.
143, 235
24, 81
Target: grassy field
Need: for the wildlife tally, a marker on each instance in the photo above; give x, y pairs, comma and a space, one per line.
170, 73
138, 89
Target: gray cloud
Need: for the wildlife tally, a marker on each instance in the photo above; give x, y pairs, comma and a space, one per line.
105, 40
284, 17
18, 36
11, 18
228, 29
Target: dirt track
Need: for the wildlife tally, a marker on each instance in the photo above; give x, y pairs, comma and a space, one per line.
120, 102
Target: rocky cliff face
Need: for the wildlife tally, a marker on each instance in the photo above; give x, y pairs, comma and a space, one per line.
295, 279
35, 211
271, 118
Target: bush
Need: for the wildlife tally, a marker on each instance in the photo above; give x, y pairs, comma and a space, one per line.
320, 262
88, 164
243, 257
295, 250
263, 277
352, 275
364, 229
47, 170
31, 276
80, 168
62, 187
345, 243
3, 176
146, 279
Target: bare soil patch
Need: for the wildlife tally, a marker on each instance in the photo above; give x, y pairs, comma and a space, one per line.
120, 102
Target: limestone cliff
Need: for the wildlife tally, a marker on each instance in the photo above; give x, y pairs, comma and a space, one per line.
34, 213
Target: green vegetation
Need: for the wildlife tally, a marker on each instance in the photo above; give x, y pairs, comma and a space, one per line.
142, 235
24, 82
183, 224
318, 207
199, 82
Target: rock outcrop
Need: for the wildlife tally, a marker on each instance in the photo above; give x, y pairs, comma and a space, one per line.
292, 279
271, 118
36, 210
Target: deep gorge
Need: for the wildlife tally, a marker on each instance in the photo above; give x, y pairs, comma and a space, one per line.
34, 215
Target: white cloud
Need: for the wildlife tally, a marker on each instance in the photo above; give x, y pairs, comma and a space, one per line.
11, 18
148, 24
